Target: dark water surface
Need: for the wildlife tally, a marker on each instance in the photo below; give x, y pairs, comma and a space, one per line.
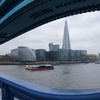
65, 76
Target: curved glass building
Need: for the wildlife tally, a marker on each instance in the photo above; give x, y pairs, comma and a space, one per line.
26, 54
14, 54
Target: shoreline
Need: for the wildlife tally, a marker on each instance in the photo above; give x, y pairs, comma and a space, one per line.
36, 63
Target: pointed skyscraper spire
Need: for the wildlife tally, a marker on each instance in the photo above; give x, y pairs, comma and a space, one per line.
66, 39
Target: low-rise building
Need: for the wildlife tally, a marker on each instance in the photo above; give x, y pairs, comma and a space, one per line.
92, 57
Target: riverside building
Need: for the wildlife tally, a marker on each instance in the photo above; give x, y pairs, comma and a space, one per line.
63, 55
26, 54
54, 53
41, 55
53, 47
14, 54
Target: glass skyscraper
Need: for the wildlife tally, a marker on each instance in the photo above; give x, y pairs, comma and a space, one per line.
66, 40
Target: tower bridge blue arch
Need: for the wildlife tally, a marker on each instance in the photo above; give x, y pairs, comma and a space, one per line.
26, 15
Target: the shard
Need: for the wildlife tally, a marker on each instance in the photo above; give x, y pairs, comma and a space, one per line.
66, 40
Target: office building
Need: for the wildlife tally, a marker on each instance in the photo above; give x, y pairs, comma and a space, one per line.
41, 55
53, 47
78, 55
72, 56
63, 55
84, 51
52, 56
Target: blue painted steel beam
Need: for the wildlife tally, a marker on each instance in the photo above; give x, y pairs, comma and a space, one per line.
23, 90
2, 1
30, 14
16, 8
7, 6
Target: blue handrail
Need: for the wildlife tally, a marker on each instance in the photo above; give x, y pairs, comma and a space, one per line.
23, 90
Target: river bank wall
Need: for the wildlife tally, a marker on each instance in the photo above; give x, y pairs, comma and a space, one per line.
36, 63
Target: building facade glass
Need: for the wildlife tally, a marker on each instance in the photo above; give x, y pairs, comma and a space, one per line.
41, 55
63, 55
14, 54
25, 54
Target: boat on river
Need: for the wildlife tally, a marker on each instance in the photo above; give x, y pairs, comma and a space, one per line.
55, 63
97, 62
28, 67
39, 67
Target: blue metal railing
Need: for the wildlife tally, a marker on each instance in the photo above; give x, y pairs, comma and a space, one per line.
23, 90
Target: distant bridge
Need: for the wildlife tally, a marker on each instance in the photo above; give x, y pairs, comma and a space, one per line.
20, 16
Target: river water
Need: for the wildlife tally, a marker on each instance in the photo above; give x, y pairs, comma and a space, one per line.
65, 76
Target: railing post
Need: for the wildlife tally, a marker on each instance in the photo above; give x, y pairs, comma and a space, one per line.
6, 94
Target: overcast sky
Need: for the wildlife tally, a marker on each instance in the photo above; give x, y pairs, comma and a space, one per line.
84, 31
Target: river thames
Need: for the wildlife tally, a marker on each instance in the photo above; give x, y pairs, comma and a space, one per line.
65, 76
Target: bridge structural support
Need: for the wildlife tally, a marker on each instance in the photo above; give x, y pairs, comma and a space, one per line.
20, 16
15, 88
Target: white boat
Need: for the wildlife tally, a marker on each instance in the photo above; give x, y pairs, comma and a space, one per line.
97, 62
